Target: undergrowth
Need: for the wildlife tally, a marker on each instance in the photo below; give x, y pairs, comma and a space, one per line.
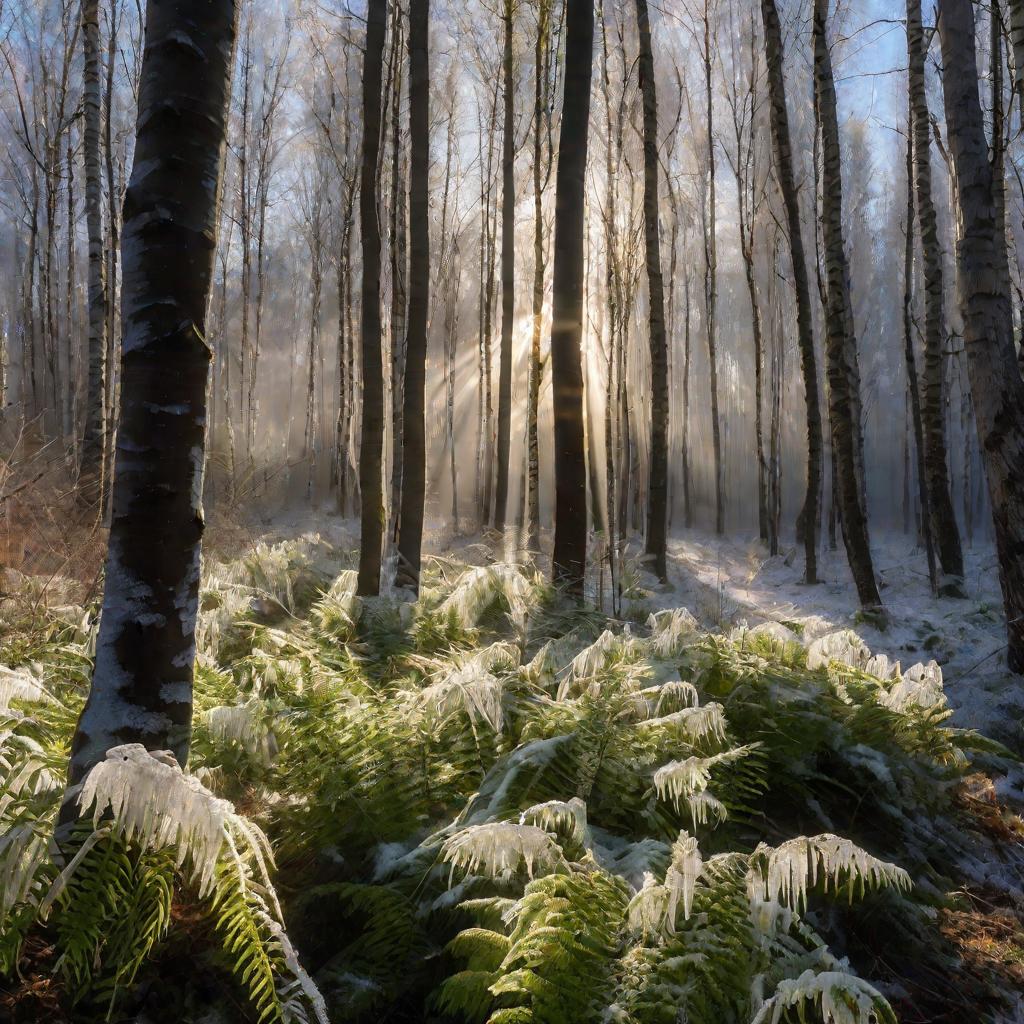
491, 805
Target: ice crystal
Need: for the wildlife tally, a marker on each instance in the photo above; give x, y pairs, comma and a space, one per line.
840, 998
785, 873
152, 801
559, 815
844, 647
480, 587
669, 631
500, 848
21, 684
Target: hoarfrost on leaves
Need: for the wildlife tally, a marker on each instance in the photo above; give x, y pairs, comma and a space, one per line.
478, 589
838, 996
500, 848
670, 629
152, 801
21, 684
784, 873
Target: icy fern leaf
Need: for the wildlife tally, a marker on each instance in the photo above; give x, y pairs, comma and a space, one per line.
480, 587
153, 802
837, 996
670, 630
567, 817
653, 910
470, 689
21, 684
692, 724
499, 849
22, 852
844, 647
783, 874
680, 780
919, 688
242, 724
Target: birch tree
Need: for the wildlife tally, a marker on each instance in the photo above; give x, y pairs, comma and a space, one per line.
142, 680
996, 385
939, 505
842, 359
569, 561
371, 486
94, 435
807, 522
414, 434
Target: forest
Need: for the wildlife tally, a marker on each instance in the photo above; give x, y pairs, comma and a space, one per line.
512, 511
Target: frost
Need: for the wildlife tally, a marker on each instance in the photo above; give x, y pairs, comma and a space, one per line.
692, 723
681, 780
501, 848
653, 910
920, 687
669, 631
840, 998
559, 815
844, 647
152, 801
480, 587
784, 873
21, 684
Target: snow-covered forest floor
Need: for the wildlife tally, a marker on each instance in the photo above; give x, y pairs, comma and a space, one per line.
726, 582
493, 805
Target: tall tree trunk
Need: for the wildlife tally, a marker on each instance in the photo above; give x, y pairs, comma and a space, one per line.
911, 363
113, 223
1017, 40
91, 479
142, 681
711, 277
508, 273
807, 523
569, 562
371, 446
414, 456
996, 385
841, 347
657, 486
541, 119
940, 503
685, 411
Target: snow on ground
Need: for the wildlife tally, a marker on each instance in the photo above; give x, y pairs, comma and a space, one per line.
727, 582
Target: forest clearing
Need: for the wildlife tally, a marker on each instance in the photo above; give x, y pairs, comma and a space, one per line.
512, 512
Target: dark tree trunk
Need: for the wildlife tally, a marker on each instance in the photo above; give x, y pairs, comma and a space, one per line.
996, 385
569, 563
371, 447
807, 522
508, 283
711, 279
541, 119
657, 489
94, 436
142, 682
410, 537
939, 507
841, 346
911, 362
